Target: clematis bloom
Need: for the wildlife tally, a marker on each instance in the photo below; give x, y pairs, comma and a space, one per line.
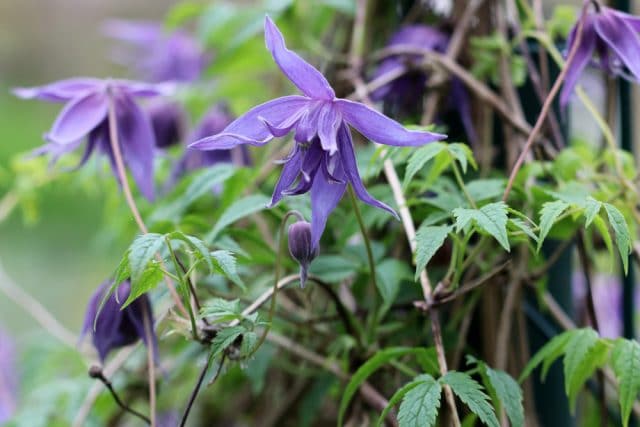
115, 327
323, 159
157, 54
612, 36
86, 115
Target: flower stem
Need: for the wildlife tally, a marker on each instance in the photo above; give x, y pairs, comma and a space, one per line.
365, 236
96, 372
151, 365
176, 265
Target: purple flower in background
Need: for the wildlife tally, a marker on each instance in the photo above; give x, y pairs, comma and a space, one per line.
158, 54
115, 327
610, 35
86, 114
8, 377
404, 94
323, 159
167, 121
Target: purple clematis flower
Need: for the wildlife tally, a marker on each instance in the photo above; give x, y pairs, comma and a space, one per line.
168, 122
115, 327
323, 159
8, 377
86, 114
404, 94
157, 54
613, 37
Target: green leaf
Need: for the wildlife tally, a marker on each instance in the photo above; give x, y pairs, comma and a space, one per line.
224, 338
147, 281
333, 268
222, 310
595, 358
239, 209
491, 218
368, 368
605, 234
462, 153
399, 394
509, 394
428, 240
578, 366
470, 392
591, 209
548, 215
420, 404
547, 354
420, 157
142, 251
524, 227
225, 263
390, 273
483, 189
198, 246
623, 237
625, 360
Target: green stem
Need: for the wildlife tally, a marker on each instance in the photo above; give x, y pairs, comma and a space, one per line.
183, 285
458, 175
365, 237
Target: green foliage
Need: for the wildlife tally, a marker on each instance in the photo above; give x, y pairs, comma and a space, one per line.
548, 216
238, 210
428, 240
444, 154
509, 394
470, 392
420, 402
625, 360
486, 52
390, 273
491, 218
623, 237
583, 354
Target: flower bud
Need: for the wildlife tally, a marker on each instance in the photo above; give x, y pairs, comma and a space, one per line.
167, 120
300, 247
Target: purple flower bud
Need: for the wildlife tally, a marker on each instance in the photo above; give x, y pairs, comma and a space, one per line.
115, 327
8, 377
167, 120
301, 247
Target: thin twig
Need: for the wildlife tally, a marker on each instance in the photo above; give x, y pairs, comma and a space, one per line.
96, 373
196, 389
546, 106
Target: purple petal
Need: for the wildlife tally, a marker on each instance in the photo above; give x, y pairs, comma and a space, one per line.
285, 127
144, 90
351, 170
379, 128
621, 38
137, 32
250, 128
79, 117
302, 74
60, 91
137, 143
324, 199
631, 20
328, 123
580, 60
290, 172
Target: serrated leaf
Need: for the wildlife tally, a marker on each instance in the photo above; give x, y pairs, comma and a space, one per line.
146, 282
224, 338
509, 394
623, 237
462, 154
605, 234
595, 358
491, 218
239, 209
483, 189
547, 354
369, 367
548, 215
420, 404
123, 271
399, 395
428, 240
420, 157
582, 341
470, 392
591, 209
141, 252
198, 246
225, 263
625, 360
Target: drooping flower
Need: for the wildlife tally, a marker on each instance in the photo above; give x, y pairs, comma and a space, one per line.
404, 94
116, 327
86, 115
157, 54
301, 247
8, 377
167, 121
612, 37
322, 160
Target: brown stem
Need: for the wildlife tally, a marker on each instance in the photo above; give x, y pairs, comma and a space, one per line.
546, 106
